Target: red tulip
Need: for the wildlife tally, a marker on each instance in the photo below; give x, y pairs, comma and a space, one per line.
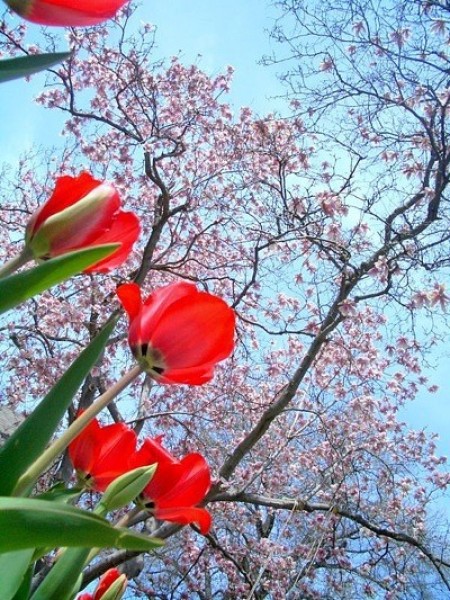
179, 333
101, 454
82, 212
107, 580
177, 486
69, 13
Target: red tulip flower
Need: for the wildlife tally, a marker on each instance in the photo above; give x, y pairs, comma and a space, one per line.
104, 585
178, 334
176, 487
68, 13
82, 212
100, 454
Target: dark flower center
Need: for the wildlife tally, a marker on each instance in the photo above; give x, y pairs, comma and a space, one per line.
150, 358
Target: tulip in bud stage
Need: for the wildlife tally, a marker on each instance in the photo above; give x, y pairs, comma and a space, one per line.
126, 488
81, 213
112, 586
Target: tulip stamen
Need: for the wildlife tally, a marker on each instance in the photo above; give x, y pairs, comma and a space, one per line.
150, 358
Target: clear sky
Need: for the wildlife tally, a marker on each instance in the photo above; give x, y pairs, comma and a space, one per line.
222, 33
211, 34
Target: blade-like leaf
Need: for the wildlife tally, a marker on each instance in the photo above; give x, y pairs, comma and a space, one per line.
31, 523
23, 593
13, 68
15, 289
13, 569
33, 435
64, 575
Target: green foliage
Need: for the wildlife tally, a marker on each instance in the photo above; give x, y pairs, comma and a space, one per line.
15, 289
32, 523
14, 567
23, 66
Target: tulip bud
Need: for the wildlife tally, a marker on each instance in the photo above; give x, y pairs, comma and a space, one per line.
57, 227
115, 591
82, 212
126, 488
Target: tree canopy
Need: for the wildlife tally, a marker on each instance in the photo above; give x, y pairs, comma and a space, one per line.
327, 231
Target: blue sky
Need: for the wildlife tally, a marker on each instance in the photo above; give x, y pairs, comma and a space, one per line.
222, 33
211, 34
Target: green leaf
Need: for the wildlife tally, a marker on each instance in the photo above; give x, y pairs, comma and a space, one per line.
23, 593
32, 436
13, 68
64, 575
15, 289
31, 523
13, 569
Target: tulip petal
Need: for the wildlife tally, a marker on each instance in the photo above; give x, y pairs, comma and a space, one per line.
154, 307
190, 334
190, 376
164, 480
117, 442
68, 190
191, 487
106, 581
165, 296
160, 300
167, 473
130, 297
125, 229
151, 452
78, 225
71, 14
103, 452
83, 450
185, 516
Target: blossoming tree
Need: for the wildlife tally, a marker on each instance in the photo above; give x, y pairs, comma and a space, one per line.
322, 249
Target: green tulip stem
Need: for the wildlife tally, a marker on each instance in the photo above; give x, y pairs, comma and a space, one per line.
127, 519
122, 522
15, 263
54, 450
